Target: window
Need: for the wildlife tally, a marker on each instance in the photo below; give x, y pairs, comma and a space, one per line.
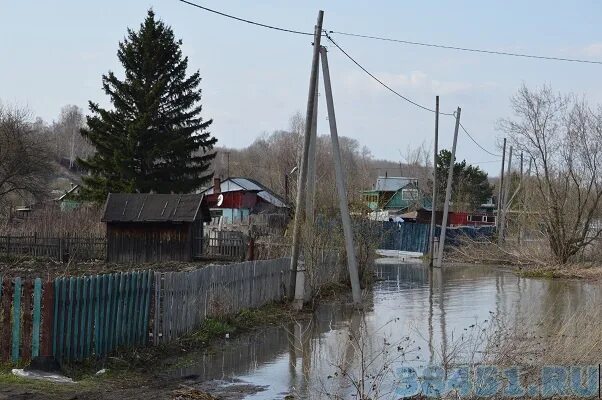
409, 194
475, 218
490, 218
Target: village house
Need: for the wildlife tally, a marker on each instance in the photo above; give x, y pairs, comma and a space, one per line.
154, 227
393, 196
235, 199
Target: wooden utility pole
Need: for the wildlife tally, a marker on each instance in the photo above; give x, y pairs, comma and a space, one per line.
450, 177
503, 209
500, 191
296, 287
340, 180
434, 200
311, 160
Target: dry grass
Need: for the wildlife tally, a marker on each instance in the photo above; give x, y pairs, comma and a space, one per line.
51, 221
585, 270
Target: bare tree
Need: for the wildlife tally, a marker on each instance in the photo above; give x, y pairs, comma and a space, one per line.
71, 143
563, 136
24, 161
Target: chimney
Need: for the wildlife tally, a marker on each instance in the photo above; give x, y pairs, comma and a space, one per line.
217, 185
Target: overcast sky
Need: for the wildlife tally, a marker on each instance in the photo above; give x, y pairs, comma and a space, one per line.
53, 53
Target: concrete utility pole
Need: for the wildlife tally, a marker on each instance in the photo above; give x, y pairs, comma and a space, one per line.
520, 229
503, 209
340, 178
297, 287
450, 176
311, 160
500, 191
434, 201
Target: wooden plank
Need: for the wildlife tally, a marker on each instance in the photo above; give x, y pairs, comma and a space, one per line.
90, 283
146, 309
118, 318
6, 323
157, 323
27, 319
16, 334
37, 317
76, 320
96, 281
131, 321
61, 317
108, 313
103, 330
68, 335
83, 311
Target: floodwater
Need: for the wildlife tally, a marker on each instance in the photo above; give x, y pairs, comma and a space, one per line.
413, 316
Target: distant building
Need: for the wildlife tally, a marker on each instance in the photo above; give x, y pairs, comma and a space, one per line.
454, 218
235, 199
68, 201
394, 193
154, 227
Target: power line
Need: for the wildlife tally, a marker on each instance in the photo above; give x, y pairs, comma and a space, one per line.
381, 82
245, 20
402, 96
349, 57
477, 143
485, 51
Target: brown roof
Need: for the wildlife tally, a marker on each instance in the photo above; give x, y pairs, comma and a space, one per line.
139, 207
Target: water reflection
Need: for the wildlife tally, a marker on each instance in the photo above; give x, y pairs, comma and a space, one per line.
434, 308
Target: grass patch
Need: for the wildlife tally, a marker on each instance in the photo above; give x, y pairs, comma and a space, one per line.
588, 271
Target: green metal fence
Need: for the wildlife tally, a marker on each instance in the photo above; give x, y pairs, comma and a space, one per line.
95, 315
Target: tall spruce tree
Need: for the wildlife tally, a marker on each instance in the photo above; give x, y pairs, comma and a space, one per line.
154, 139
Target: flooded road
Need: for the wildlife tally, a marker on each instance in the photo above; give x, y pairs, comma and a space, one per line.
413, 316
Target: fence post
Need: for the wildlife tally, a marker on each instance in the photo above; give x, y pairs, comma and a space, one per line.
61, 245
8, 246
5, 330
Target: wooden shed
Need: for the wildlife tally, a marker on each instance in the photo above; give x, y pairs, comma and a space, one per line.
154, 227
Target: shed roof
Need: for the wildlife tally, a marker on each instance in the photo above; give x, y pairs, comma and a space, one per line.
249, 185
151, 207
392, 183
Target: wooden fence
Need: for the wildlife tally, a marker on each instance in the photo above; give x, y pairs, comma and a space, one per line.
74, 318
64, 248
21, 330
184, 299
229, 245
98, 314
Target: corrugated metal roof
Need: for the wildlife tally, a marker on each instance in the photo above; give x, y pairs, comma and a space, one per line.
138, 207
250, 185
393, 183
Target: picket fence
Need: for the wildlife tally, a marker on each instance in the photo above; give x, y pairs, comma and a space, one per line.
184, 299
63, 248
73, 318
98, 314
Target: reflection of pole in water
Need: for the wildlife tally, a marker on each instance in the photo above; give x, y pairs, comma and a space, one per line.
430, 320
306, 353
439, 274
292, 353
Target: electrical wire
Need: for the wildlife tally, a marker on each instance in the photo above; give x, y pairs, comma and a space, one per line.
485, 51
362, 67
404, 97
381, 82
245, 20
477, 143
